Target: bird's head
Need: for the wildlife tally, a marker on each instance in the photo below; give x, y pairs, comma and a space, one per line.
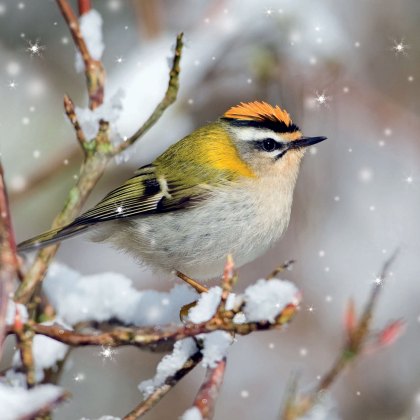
266, 138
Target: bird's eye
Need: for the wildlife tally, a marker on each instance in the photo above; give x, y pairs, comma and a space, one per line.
269, 145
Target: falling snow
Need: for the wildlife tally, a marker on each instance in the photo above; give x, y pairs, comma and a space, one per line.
107, 353
400, 47
322, 98
35, 48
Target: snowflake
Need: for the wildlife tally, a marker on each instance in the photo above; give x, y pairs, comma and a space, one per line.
12, 84
321, 98
409, 180
107, 352
400, 47
379, 280
119, 60
120, 209
79, 377
35, 48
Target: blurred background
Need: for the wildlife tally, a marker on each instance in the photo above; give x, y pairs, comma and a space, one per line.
346, 70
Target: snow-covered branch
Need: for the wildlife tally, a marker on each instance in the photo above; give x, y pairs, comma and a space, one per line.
100, 149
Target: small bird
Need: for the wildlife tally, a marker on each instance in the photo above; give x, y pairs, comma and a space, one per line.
227, 188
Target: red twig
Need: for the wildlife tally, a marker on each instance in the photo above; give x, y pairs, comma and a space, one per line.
84, 6
162, 390
207, 395
9, 265
357, 333
94, 70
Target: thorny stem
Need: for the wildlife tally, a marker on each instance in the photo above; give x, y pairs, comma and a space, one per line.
207, 395
162, 390
353, 347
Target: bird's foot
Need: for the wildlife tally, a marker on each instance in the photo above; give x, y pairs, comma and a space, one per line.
183, 313
193, 283
283, 267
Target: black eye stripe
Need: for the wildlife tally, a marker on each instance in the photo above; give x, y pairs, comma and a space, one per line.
268, 145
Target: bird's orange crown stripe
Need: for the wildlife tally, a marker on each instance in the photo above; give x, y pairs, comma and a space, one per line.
258, 111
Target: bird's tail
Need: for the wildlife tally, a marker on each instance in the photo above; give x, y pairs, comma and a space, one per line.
51, 237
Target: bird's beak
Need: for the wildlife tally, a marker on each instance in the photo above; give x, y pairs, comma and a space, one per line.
305, 142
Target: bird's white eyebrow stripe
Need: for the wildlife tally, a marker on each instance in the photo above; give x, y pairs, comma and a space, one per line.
252, 134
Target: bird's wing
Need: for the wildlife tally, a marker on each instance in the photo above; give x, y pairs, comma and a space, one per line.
145, 193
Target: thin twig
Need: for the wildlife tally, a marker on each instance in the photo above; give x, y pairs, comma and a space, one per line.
207, 395
94, 70
84, 6
283, 267
72, 116
229, 277
162, 390
101, 151
357, 334
170, 96
92, 169
9, 265
24, 338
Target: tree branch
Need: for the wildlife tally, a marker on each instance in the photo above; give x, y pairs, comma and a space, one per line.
84, 6
98, 151
207, 395
72, 116
169, 98
9, 265
162, 390
154, 339
357, 334
94, 70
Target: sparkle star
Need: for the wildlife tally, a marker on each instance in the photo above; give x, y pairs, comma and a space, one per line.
400, 47
35, 48
119, 60
12, 84
107, 353
379, 280
321, 98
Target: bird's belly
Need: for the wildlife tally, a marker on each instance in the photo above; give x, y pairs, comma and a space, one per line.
196, 241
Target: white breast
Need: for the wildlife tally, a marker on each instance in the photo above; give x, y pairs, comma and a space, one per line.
243, 220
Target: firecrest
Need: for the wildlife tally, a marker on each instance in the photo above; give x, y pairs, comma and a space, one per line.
226, 188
